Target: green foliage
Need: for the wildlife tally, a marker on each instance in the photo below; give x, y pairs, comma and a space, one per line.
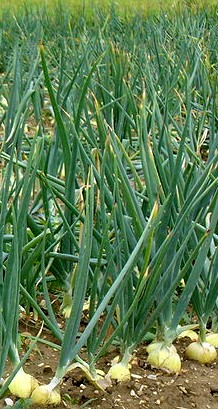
109, 176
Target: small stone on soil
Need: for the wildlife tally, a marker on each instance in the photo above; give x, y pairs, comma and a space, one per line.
133, 393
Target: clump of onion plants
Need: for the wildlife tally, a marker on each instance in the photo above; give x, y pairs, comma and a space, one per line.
161, 351
204, 303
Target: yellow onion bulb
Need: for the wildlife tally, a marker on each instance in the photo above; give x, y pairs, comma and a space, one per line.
120, 372
23, 384
55, 397
202, 352
157, 345
165, 357
212, 339
189, 333
43, 395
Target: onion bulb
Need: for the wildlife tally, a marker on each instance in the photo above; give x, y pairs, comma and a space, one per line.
165, 357
157, 345
23, 384
55, 397
202, 352
212, 339
189, 333
43, 395
120, 372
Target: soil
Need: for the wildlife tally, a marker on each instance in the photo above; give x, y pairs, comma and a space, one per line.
195, 387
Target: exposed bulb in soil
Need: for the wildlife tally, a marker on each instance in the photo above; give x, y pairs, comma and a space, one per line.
43, 395
202, 352
23, 384
120, 372
55, 397
156, 345
189, 334
212, 338
165, 357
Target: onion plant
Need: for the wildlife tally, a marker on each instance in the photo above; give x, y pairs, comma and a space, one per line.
13, 218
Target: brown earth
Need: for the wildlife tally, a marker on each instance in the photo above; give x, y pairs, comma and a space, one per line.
195, 387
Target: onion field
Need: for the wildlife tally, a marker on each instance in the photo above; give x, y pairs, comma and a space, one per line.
108, 195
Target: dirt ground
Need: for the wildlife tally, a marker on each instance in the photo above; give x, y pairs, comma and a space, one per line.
195, 387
